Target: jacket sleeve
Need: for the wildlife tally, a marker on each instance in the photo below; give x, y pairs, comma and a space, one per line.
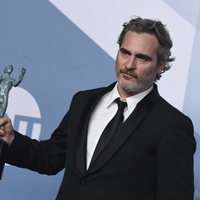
175, 161
45, 157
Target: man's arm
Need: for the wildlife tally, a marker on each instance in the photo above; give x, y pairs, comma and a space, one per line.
175, 162
45, 157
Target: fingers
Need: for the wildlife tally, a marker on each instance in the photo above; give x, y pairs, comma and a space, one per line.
6, 130
4, 122
2, 131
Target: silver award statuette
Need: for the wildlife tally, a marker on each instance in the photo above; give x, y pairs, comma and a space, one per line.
6, 84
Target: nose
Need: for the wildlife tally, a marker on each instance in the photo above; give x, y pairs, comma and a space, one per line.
130, 63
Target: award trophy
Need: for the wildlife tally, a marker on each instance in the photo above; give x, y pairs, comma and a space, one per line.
6, 84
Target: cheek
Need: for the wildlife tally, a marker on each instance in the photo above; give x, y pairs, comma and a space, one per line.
118, 65
150, 74
119, 60
116, 69
145, 71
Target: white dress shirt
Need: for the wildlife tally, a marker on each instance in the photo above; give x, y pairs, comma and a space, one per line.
104, 112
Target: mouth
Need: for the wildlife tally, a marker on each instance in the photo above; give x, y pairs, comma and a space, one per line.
128, 75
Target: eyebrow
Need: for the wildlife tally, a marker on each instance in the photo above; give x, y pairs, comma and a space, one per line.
126, 51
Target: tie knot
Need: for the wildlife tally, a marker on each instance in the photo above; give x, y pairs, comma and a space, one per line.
121, 104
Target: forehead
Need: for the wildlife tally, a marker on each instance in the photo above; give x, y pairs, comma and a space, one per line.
140, 42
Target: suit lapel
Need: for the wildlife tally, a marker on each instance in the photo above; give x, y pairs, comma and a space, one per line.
82, 138
126, 129
89, 104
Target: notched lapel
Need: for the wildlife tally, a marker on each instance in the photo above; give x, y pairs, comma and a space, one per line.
82, 136
81, 143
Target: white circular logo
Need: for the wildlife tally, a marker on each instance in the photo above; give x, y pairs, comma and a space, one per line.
24, 112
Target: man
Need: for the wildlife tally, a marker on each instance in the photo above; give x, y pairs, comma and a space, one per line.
151, 154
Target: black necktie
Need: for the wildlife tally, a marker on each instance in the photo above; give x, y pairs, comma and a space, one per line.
110, 129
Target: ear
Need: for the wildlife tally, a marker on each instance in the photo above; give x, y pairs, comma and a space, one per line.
161, 67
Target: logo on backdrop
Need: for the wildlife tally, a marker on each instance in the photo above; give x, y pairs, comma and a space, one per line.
24, 112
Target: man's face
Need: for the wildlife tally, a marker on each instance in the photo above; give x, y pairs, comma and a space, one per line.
137, 63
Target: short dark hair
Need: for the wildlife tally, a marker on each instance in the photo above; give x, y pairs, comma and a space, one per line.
154, 27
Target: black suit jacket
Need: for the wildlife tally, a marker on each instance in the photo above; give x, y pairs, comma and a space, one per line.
150, 158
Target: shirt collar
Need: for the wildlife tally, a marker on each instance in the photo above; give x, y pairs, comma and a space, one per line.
134, 100
131, 101
112, 95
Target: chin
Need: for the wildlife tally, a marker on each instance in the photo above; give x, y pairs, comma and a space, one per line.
129, 88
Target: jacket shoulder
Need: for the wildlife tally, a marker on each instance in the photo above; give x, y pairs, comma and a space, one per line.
170, 111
